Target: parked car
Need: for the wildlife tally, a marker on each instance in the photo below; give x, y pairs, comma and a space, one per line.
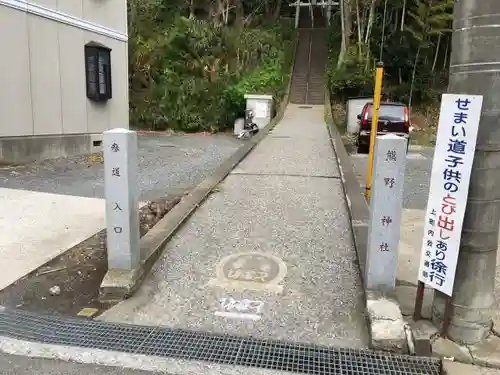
393, 118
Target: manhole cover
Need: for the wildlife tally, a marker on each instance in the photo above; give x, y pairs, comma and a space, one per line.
251, 267
251, 270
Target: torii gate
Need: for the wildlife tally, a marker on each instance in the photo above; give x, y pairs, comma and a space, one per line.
325, 4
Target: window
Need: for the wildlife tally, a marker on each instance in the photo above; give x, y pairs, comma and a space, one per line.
98, 71
391, 112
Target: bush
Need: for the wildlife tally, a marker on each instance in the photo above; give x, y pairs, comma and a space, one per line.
351, 80
355, 76
193, 75
271, 78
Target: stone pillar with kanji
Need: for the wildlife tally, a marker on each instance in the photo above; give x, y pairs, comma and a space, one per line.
386, 206
122, 198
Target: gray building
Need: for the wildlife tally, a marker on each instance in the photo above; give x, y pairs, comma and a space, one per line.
63, 76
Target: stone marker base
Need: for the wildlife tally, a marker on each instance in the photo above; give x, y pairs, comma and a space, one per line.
118, 285
386, 324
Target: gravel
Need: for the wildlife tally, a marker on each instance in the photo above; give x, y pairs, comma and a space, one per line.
417, 175
168, 165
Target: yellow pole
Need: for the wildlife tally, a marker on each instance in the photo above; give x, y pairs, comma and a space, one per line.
373, 132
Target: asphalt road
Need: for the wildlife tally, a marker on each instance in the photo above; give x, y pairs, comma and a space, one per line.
417, 175
19, 365
168, 165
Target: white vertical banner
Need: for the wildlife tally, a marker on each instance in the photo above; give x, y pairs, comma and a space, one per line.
451, 169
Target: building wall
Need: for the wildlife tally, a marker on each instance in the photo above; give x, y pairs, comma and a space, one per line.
42, 71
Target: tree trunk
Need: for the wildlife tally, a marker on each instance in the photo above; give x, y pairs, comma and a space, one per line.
277, 10
348, 20
436, 54
364, 16
343, 46
358, 21
191, 8
445, 60
403, 15
371, 17
413, 79
382, 41
238, 13
267, 9
396, 14
218, 14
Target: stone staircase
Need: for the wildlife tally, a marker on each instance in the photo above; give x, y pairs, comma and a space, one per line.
309, 77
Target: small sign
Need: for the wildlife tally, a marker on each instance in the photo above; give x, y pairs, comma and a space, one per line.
260, 110
451, 170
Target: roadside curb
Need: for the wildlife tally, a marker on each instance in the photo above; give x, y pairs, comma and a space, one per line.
118, 284
385, 320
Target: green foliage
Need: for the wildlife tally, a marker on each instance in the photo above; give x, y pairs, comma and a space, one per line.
415, 53
353, 78
270, 78
190, 74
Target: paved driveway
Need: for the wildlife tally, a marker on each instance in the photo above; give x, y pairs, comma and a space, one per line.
49, 207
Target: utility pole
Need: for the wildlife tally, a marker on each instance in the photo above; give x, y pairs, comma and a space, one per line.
475, 70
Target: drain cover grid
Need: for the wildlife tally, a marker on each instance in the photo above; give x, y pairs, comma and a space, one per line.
221, 349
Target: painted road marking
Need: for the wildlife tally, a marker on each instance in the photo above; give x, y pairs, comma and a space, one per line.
250, 270
240, 309
234, 315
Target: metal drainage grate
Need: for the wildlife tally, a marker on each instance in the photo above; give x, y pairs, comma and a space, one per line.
221, 349
305, 106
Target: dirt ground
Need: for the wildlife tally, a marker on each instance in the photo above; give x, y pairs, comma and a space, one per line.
77, 273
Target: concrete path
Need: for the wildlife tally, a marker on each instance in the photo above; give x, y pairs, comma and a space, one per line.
48, 207
37, 227
269, 254
19, 365
454, 368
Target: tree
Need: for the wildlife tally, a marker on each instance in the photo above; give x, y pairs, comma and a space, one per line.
412, 36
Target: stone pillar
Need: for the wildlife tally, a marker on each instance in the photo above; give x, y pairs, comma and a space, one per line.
121, 192
385, 212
